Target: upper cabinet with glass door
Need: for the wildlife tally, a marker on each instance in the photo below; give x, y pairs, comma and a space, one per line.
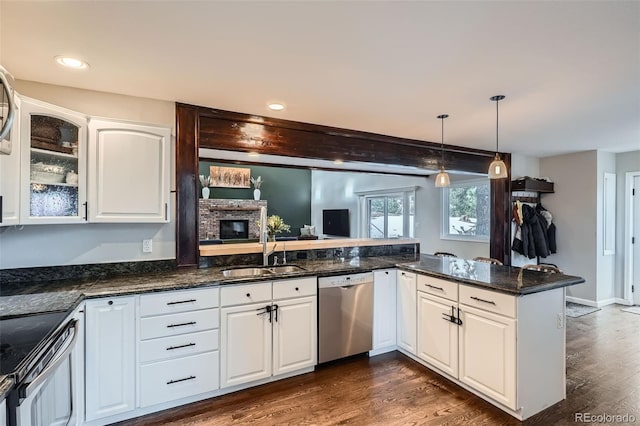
53, 164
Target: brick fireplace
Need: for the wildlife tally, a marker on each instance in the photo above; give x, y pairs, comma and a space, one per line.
212, 211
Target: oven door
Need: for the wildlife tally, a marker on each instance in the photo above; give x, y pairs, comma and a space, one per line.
48, 399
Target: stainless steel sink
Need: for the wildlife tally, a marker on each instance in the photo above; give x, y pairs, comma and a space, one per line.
283, 269
246, 272
261, 271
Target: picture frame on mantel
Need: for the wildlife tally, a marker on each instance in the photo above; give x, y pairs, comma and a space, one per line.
230, 177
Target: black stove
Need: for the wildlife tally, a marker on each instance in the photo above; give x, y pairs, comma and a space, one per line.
20, 338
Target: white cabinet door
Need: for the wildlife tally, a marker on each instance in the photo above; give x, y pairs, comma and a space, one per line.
110, 357
10, 175
53, 164
437, 336
384, 309
245, 346
406, 311
488, 354
128, 172
294, 334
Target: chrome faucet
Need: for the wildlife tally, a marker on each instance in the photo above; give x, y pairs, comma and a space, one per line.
265, 251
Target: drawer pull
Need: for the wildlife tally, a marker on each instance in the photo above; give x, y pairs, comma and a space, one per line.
436, 287
248, 294
482, 300
182, 324
181, 301
170, 348
170, 382
297, 289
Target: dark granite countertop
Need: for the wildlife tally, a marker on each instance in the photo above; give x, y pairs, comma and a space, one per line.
64, 295
506, 279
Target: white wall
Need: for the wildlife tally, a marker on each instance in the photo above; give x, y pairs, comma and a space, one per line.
48, 245
606, 274
574, 210
335, 190
625, 162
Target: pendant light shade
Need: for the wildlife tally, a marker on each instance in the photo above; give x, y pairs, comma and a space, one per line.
497, 168
442, 179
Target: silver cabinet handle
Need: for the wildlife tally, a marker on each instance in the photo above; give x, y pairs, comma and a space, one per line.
491, 302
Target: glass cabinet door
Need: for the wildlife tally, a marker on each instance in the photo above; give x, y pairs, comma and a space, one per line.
53, 167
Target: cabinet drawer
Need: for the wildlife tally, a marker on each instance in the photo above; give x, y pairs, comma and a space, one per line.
438, 287
177, 346
178, 378
182, 323
488, 300
243, 294
178, 301
295, 288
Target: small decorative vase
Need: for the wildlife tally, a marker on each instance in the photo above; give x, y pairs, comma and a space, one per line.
205, 192
272, 237
256, 194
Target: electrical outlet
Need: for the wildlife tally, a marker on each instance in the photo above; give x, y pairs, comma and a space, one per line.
147, 246
560, 321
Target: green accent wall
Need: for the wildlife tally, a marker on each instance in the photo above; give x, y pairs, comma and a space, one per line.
287, 191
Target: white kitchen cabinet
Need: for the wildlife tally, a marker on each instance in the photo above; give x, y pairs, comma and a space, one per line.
406, 311
128, 172
488, 354
294, 334
178, 354
384, 311
437, 336
110, 357
267, 329
10, 174
245, 344
53, 164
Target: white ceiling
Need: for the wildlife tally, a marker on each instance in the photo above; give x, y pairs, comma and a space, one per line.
570, 69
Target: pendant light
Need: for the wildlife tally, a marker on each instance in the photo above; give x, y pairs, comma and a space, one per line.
497, 169
442, 179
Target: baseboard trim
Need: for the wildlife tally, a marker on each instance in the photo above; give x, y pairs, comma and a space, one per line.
582, 301
600, 303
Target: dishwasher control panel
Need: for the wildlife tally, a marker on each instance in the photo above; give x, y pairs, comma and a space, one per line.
345, 280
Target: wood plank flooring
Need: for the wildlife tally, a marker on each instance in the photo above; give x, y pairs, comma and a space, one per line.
603, 376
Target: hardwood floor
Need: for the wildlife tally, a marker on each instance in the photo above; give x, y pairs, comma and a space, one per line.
603, 377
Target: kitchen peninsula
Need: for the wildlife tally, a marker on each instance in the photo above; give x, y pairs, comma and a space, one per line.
498, 330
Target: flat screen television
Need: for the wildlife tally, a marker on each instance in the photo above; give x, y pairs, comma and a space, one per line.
336, 222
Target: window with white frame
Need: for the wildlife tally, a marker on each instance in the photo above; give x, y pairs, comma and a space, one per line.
388, 214
466, 211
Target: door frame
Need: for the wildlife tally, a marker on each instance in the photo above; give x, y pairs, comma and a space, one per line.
628, 252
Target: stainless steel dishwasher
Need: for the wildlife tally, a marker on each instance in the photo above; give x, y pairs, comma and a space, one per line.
345, 315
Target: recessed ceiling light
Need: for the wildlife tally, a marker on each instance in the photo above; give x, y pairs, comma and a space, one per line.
276, 106
69, 62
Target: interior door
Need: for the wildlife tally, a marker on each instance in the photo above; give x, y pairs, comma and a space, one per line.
635, 224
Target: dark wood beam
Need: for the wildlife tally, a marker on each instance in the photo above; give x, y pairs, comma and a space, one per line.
201, 127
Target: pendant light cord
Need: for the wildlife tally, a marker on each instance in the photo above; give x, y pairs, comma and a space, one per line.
442, 143
497, 102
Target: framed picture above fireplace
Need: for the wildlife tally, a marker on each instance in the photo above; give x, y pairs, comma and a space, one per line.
230, 177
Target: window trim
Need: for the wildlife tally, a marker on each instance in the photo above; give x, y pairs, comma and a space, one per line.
444, 212
363, 206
